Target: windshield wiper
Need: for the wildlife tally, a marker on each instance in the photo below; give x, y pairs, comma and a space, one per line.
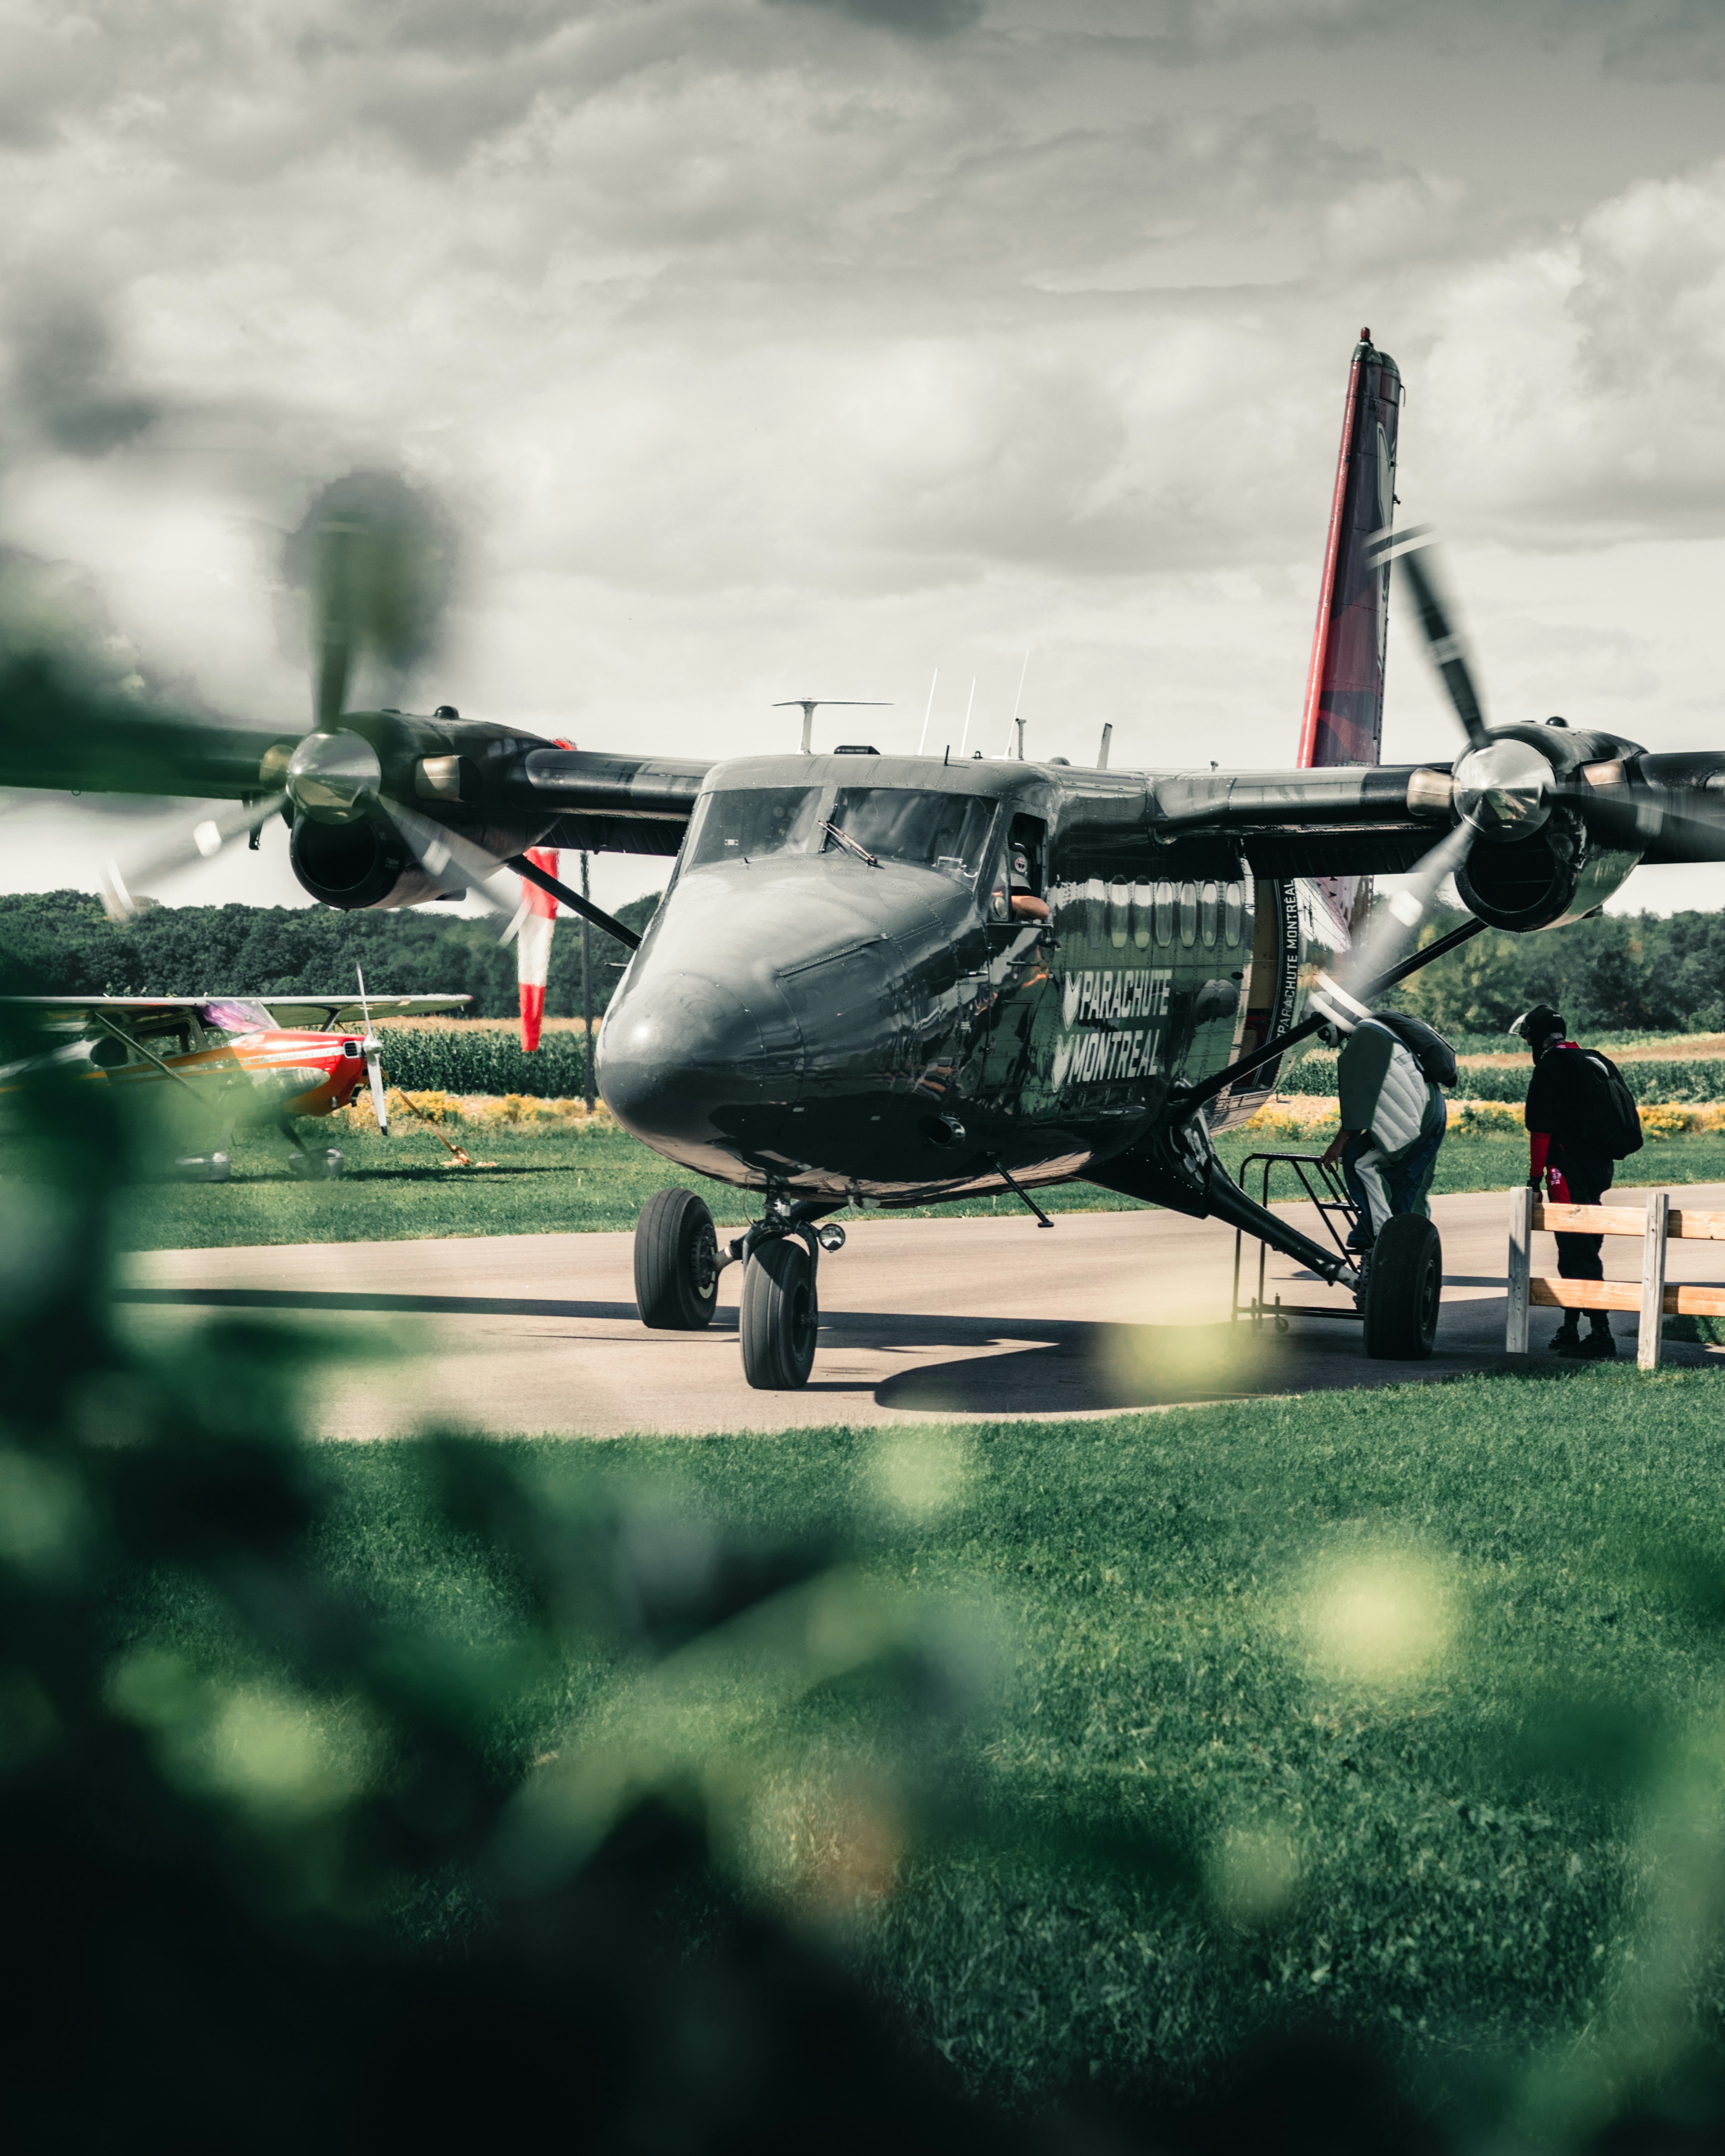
850, 845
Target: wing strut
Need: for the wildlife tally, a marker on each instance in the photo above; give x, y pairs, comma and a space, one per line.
1189, 1099
524, 865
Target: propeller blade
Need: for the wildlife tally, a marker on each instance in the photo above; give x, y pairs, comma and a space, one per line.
380, 1098
1416, 559
332, 596
374, 557
203, 842
374, 1056
1394, 926
455, 864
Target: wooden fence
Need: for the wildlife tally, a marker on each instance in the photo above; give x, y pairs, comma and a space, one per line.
1659, 1225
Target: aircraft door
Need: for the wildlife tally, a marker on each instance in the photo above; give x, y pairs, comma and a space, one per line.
1012, 986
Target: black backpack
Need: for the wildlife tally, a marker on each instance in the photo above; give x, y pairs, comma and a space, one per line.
1426, 1046
1605, 1106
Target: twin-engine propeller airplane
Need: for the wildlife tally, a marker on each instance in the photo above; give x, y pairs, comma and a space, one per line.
217, 1064
888, 980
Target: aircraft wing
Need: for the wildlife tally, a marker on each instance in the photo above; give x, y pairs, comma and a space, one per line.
345, 1014
56, 735
1346, 820
72, 1014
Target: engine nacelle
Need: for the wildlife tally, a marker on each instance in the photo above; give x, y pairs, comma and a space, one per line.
1557, 874
353, 865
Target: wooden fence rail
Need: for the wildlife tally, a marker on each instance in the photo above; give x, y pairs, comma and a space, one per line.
1659, 1224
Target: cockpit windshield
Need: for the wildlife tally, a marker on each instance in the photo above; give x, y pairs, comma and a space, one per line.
230, 1015
943, 831
745, 825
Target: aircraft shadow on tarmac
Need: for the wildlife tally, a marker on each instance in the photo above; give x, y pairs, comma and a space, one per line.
341, 1300
1004, 1366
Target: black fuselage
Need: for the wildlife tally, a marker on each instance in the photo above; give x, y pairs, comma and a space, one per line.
895, 1029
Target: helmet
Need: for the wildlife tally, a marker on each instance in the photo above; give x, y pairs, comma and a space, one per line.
1538, 1025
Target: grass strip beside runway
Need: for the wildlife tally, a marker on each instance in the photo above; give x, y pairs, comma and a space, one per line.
558, 1178
1399, 1707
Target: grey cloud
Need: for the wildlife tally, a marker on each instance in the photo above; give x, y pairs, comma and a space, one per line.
67, 383
1666, 40
912, 18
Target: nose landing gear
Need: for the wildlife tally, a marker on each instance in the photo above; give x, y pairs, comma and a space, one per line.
678, 1262
781, 1315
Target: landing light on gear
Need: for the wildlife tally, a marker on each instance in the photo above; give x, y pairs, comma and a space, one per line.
830, 1237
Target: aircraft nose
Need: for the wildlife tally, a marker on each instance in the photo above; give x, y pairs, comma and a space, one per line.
698, 1065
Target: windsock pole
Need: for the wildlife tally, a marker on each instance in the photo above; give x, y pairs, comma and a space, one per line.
587, 984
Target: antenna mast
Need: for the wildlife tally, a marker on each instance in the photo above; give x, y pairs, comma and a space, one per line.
1018, 724
808, 705
928, 714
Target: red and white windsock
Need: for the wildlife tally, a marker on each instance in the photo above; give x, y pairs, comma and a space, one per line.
533, 945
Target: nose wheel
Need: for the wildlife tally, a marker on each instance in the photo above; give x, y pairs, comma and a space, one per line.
780, 1315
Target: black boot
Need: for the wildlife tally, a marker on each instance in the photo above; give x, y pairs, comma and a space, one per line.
1598, 1347
1567, 1339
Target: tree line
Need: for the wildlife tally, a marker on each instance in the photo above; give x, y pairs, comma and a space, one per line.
60, 942
1630, 972
1644, 972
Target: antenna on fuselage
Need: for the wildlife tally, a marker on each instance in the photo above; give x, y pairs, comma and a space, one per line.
1102, 752
928, 713
1017, 733
808, 705
964, 738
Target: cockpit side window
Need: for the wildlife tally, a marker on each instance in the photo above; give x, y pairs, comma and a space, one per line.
945, 831
1018, 877
749, 823
231, 1015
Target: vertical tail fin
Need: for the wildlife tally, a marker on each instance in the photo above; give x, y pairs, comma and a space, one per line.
1344, 690
532, 945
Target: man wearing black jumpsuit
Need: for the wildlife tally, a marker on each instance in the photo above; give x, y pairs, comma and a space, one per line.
1573, 1173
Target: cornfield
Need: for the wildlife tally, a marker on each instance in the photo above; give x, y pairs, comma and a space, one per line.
452, 1059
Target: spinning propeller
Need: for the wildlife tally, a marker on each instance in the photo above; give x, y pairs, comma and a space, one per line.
372, 561
1506, 787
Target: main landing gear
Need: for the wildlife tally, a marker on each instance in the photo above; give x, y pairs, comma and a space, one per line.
1403, 1288
1398, 1283
677, 1267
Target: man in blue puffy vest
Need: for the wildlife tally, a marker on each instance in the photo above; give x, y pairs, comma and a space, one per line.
1393, 1123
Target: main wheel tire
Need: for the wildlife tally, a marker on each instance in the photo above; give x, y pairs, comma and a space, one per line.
1404, 1286
676, 1263
781, 1315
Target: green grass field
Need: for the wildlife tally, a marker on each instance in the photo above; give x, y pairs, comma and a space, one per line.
1402, 1708
558, 1178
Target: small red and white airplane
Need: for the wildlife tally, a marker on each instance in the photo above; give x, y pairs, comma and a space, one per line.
222, 1063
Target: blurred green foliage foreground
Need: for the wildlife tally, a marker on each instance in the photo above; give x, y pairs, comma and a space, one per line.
1341, 1775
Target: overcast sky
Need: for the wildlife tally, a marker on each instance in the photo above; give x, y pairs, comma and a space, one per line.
766, 348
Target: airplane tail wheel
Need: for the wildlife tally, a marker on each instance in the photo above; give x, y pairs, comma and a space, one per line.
1404, 1286
780, 1315
676, 1263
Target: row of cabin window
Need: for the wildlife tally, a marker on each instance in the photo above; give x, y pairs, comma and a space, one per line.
1162, 913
